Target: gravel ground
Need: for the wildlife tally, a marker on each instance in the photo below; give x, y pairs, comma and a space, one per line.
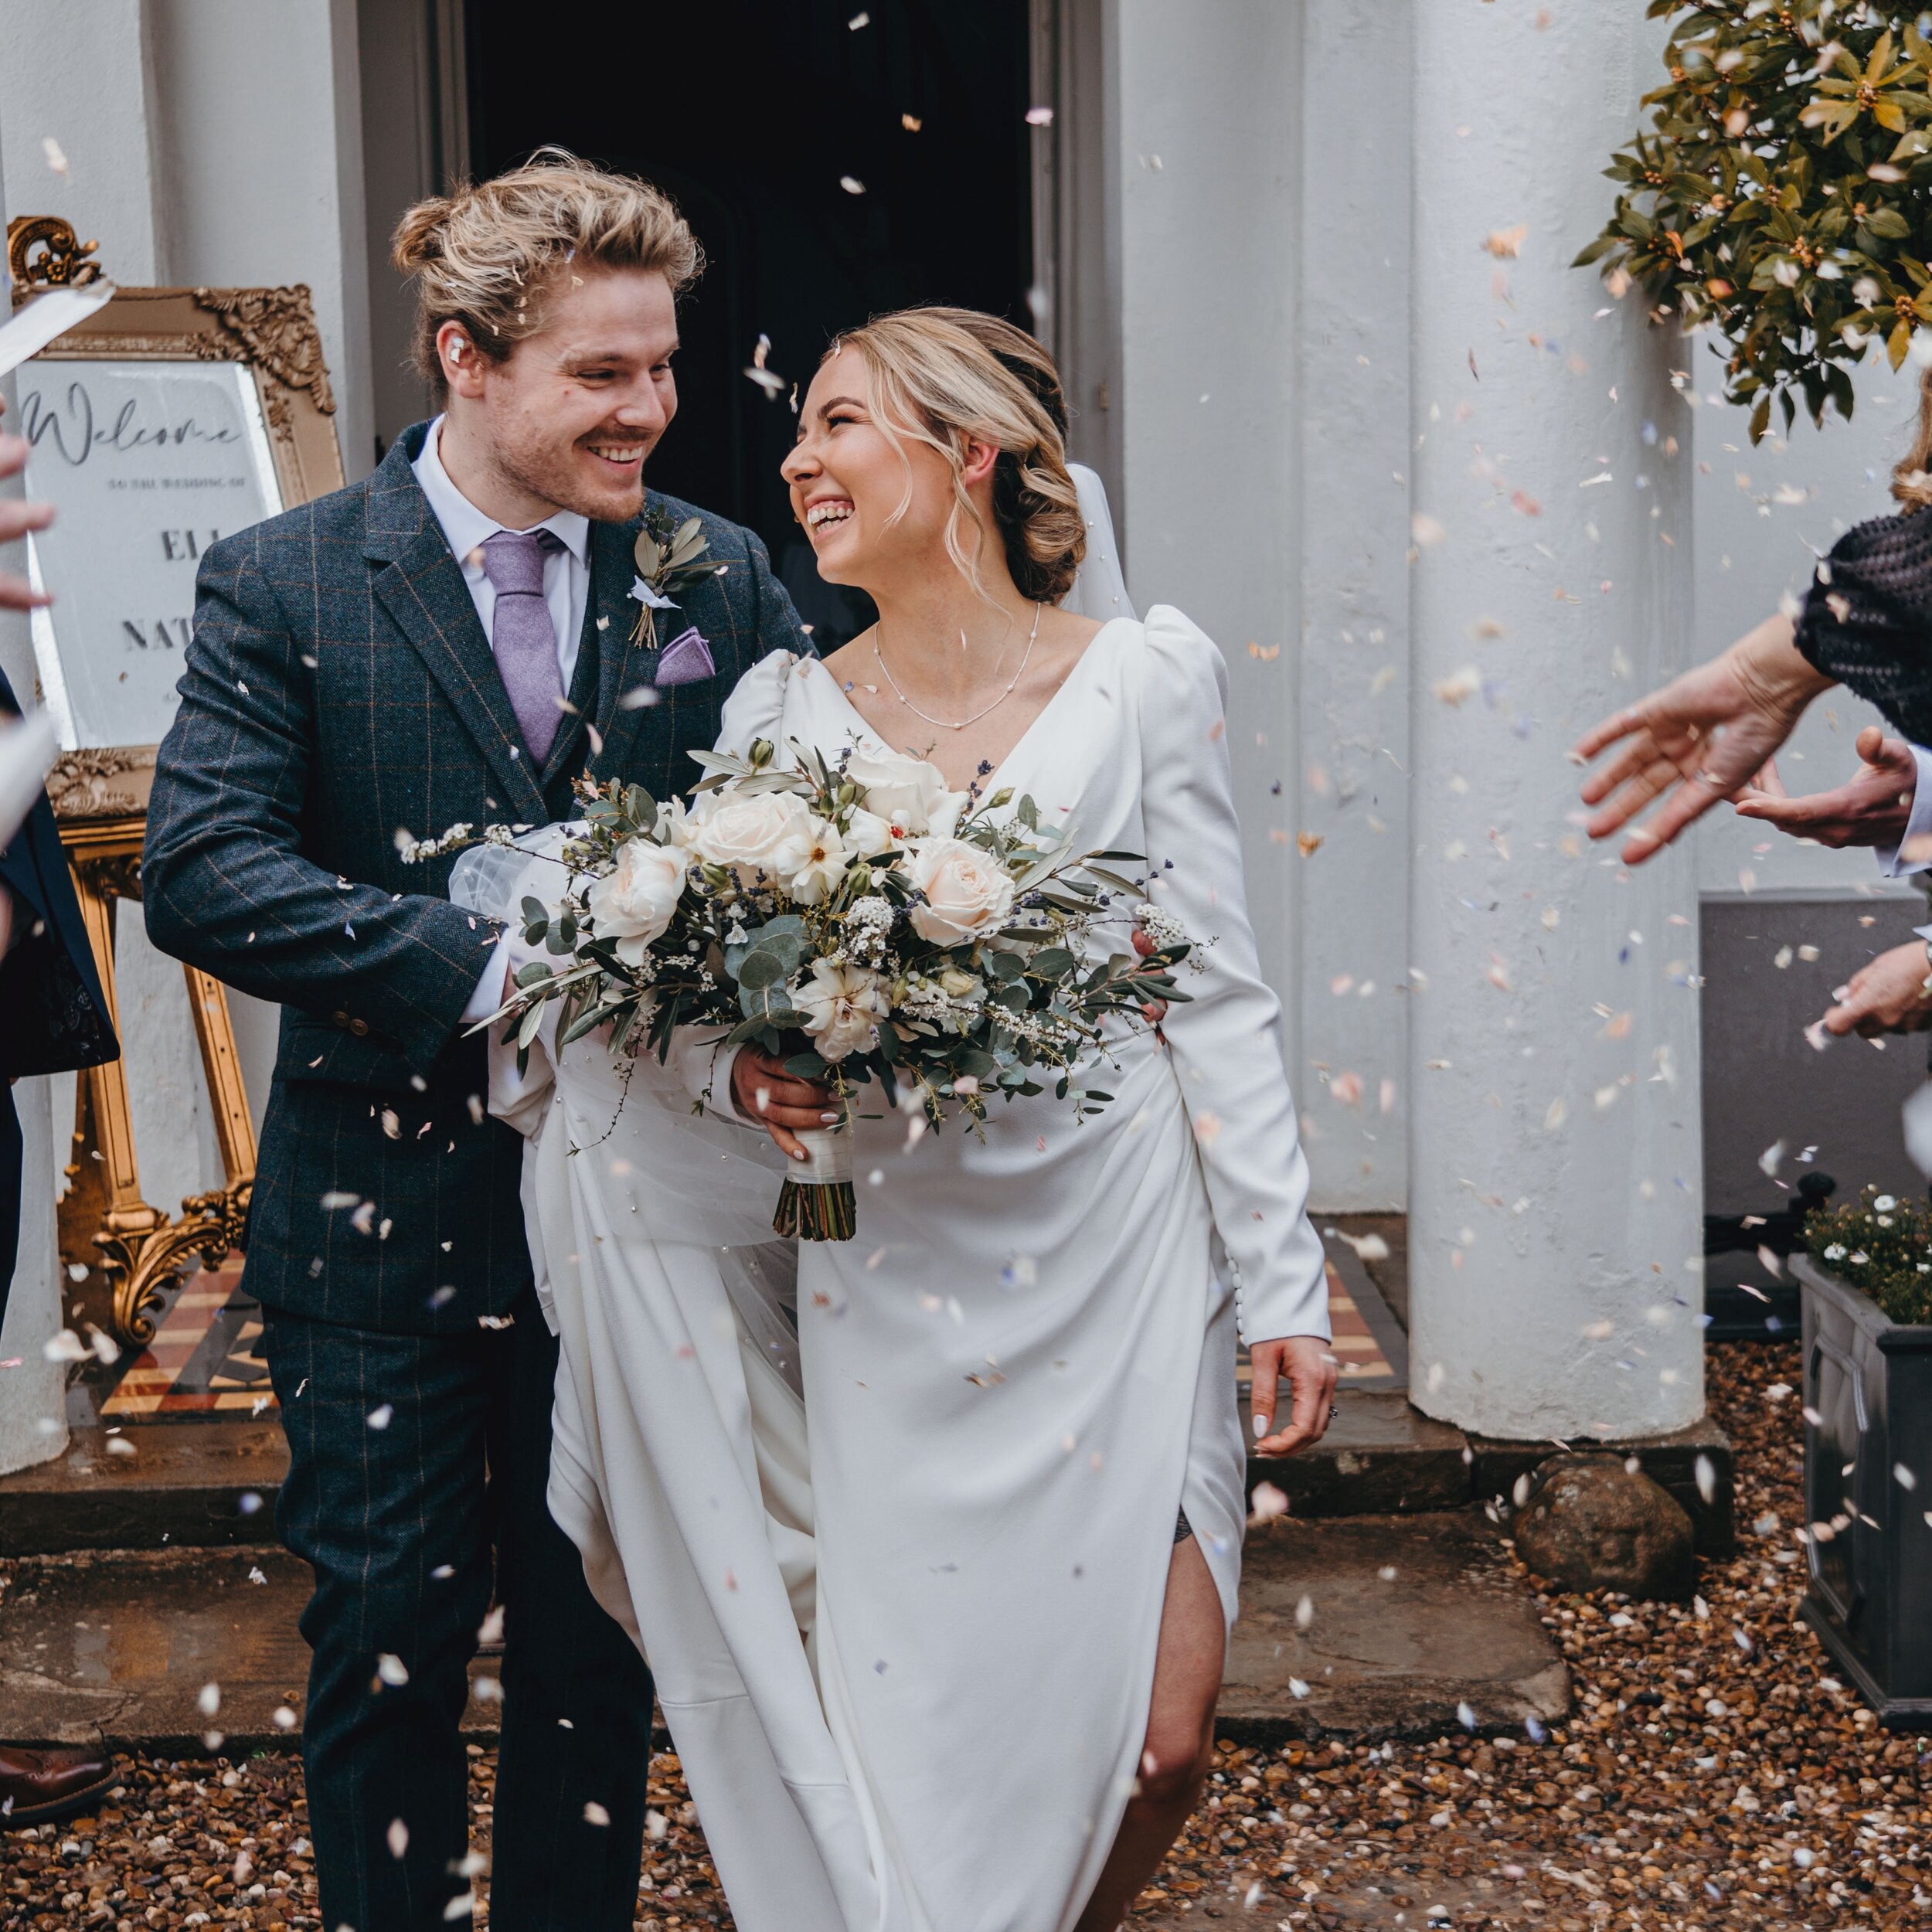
1714, 1774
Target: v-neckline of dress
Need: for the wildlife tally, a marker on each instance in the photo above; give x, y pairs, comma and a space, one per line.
991, 782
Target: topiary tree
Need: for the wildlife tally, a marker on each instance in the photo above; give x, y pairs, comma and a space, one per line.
1783, 195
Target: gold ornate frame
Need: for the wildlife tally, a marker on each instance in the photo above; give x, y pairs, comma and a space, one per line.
100, 796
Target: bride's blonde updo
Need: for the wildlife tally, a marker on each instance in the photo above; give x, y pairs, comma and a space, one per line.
948, 377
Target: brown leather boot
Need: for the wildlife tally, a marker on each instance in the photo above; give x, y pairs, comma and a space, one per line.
39, 1786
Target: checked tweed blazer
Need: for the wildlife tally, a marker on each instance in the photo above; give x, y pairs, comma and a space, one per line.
339, 693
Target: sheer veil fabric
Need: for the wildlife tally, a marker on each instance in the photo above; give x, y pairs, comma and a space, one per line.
892, 1517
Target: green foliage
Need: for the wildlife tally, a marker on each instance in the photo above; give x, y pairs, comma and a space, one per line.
1781, 195
1883, 1247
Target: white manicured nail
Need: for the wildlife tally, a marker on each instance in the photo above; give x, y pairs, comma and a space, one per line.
1261, 1425
831, 1120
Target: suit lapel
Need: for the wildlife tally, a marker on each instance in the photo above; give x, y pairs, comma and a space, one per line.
622, 666
422, 588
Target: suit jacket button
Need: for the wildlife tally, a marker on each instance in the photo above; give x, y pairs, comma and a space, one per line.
341, 1019
358, 1027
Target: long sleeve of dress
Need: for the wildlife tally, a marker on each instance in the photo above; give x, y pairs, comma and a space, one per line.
1867, 621
1226, 1038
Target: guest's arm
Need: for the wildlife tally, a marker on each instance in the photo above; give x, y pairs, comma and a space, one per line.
226, 886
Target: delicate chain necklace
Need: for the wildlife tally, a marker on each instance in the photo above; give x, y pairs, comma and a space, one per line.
948, 724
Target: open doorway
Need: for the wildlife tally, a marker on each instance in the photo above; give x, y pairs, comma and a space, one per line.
835, 158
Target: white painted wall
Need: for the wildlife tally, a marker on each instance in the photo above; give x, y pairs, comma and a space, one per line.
1207, 157
258, 137
1352, 1075
1554, 1170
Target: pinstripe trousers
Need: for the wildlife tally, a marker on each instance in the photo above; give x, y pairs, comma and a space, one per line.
417, 1470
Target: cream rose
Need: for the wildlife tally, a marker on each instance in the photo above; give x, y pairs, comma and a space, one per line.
842, 1006
761, 831
909, 792
968, 896
633, 903
868, 835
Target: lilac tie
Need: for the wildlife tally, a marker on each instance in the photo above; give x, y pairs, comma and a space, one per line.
522, 637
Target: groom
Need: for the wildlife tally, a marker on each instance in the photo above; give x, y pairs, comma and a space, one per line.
449, 640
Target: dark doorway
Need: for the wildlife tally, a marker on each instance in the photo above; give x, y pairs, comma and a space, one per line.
754, 114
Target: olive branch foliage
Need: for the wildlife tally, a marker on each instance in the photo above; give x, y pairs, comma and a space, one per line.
1781, 194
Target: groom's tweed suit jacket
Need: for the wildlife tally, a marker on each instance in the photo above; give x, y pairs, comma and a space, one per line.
339, 693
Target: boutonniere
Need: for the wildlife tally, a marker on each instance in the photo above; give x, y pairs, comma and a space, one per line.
669, 562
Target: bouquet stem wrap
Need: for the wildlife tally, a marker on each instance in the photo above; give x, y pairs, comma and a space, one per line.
817, 1203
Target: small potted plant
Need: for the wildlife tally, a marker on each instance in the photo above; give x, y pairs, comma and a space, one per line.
1867, 1281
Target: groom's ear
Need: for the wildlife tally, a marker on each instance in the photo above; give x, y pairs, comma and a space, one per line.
460, 361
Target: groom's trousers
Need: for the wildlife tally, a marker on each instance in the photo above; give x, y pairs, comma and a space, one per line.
413, 1459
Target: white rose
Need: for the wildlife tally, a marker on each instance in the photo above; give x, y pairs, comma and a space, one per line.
842, 1006
968, 895
818, 875
908, 792
767, 831
633, 903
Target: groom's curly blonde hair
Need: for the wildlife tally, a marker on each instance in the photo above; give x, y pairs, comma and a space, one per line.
486, 256
946, 377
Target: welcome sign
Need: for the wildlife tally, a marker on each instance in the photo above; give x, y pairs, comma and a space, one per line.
147, 463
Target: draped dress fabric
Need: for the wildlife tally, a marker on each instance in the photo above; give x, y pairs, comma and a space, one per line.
956, 1479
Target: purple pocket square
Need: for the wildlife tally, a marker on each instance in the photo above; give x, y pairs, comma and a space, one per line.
686, 659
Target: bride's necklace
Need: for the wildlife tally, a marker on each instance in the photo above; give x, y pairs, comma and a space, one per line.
949, 724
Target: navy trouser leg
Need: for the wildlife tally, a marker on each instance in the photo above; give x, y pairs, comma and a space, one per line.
390, 1513
577, 1697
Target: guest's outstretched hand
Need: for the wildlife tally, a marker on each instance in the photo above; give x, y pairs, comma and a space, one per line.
16, 519
1306, 1363
1704, 737
1871, 808
1888, 995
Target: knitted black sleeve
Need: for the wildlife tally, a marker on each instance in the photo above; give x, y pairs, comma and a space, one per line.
1867, 620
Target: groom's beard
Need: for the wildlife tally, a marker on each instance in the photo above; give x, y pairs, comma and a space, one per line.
567, 475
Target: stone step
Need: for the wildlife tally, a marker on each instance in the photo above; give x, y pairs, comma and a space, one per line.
197, 1484
210, 1485
1415, 1625
117, 1647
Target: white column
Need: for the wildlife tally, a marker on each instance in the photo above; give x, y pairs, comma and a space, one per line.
1206, 160
1351, 1080
1555, 1234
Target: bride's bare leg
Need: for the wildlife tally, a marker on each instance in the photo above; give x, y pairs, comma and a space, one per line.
1180, 1737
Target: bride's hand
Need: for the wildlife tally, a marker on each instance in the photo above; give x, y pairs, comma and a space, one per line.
1307, 1365
780, 1103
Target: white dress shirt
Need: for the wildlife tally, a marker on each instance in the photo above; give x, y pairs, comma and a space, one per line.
566, 590
566, 572
1913, 851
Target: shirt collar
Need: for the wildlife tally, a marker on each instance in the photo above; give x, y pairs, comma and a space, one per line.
466, 527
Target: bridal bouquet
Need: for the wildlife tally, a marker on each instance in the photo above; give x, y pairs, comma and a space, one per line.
859, 920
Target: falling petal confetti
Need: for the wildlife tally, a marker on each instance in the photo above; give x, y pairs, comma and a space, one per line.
851, 183
56, 156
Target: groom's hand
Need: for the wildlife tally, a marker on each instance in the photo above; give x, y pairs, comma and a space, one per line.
1307, 1365
780, 1103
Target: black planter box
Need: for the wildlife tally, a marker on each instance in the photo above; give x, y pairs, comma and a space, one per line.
1869, 1382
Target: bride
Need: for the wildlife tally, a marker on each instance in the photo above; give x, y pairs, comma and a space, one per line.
935, 1561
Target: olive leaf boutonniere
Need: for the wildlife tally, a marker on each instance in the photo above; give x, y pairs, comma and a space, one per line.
669, 562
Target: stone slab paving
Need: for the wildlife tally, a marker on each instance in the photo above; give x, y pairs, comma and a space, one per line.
117, 1648
1408, 1620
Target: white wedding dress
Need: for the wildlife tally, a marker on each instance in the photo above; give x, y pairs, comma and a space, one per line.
956, 1478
